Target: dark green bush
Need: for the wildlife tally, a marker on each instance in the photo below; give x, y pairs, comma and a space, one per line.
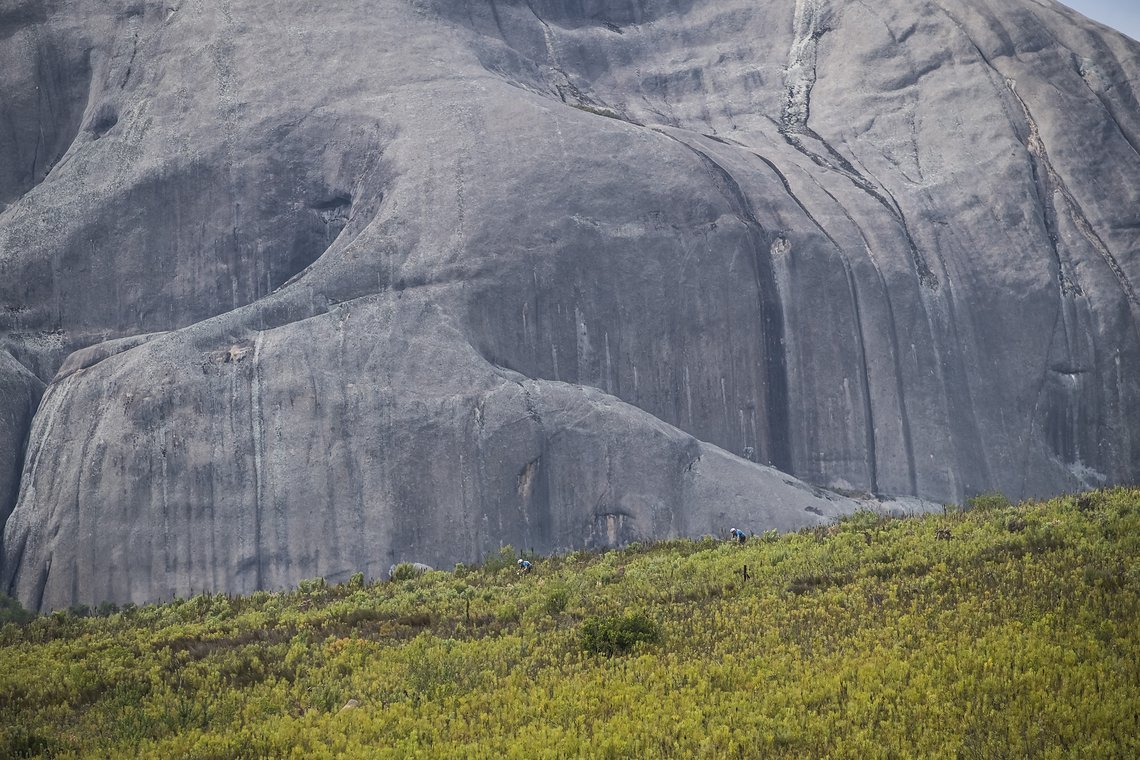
864, 519
617, 634
504, 558
311, 586
405, 571
17, 741
989, 501
556, 600
11, 611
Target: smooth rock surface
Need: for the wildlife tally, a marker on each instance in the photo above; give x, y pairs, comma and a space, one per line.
425, 277
20, 393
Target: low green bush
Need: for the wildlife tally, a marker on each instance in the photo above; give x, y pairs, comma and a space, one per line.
500, 560
618, 634
405, 571
556, 600
11, 611
989, 502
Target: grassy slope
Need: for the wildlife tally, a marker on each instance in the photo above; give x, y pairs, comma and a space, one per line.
1017, 636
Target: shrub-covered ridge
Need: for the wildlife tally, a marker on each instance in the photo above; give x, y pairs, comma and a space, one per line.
1005, 631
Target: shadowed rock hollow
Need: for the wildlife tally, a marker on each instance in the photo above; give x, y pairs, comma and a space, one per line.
316, 288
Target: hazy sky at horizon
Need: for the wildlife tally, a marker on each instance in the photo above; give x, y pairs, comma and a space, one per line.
1122, 15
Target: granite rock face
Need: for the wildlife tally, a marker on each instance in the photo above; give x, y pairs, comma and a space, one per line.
20, 392
315, 288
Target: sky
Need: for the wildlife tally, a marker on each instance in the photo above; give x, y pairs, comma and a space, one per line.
1122, 15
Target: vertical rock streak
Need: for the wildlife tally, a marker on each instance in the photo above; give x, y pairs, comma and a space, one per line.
860, 328
1055, 185
892, 333
555, 63
776, 447
27, 531
1052, 184
257, 434
1069, 397
1093, 79
799, 79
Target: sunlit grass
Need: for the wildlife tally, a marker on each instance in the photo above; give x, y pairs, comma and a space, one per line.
1004, 631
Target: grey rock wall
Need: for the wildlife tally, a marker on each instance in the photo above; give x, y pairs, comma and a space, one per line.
20, 393
316, 288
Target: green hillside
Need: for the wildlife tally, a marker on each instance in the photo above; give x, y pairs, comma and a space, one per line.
1000, 631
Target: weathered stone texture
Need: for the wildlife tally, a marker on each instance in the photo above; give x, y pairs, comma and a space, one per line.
355, 282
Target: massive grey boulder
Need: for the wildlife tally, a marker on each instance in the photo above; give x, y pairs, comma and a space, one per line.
346, 442
350, 282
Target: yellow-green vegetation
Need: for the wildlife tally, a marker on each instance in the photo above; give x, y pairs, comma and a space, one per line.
1004, 631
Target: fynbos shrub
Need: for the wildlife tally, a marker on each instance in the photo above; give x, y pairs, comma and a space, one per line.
614, 634
986, 502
